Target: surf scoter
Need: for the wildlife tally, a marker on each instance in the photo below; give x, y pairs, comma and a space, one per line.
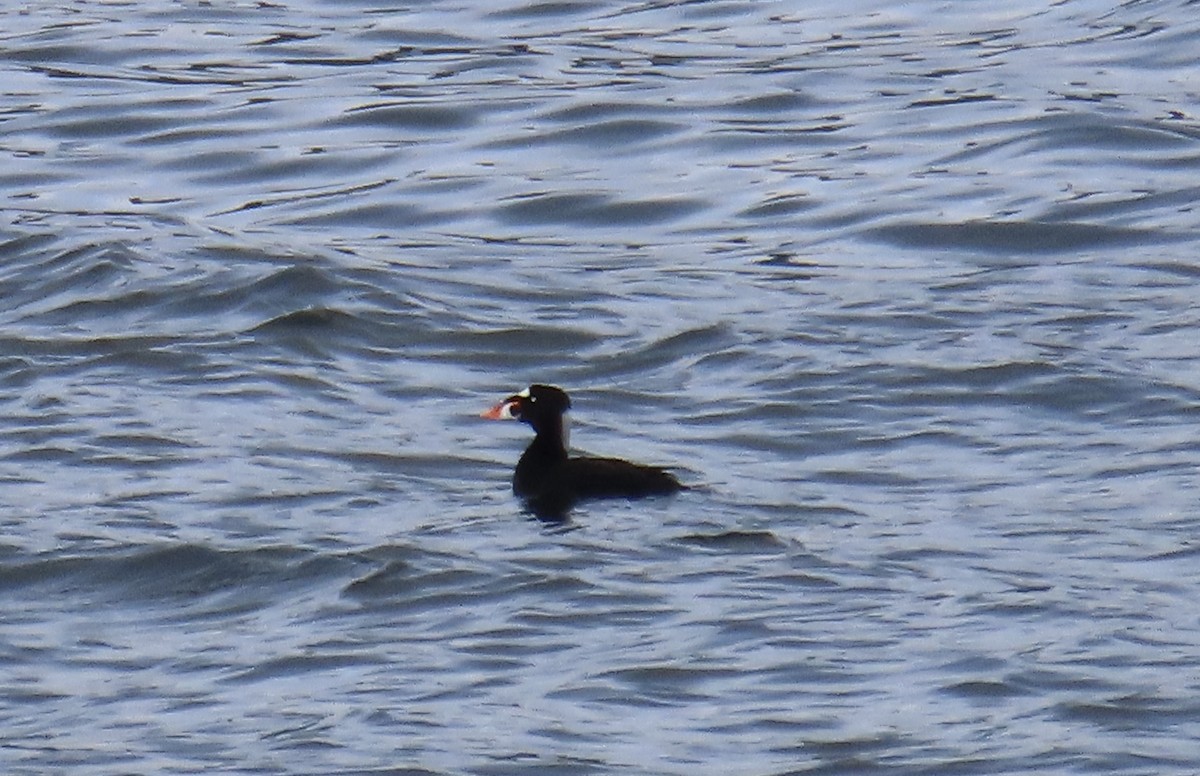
548, 480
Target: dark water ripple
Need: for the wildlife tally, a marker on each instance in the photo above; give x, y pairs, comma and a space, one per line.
905, 293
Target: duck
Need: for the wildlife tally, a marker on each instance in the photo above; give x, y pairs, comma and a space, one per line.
549, 480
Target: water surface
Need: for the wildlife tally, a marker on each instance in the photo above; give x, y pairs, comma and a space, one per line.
906, 294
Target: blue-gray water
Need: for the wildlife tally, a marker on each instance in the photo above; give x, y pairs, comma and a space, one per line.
906, 292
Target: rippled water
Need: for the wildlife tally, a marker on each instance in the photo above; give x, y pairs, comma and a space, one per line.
907, 293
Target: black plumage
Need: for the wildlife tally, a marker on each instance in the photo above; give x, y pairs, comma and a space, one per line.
549, 480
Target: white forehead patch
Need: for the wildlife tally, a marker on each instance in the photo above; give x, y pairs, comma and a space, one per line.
523, 394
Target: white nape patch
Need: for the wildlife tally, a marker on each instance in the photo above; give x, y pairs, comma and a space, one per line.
566, 431
523, 394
